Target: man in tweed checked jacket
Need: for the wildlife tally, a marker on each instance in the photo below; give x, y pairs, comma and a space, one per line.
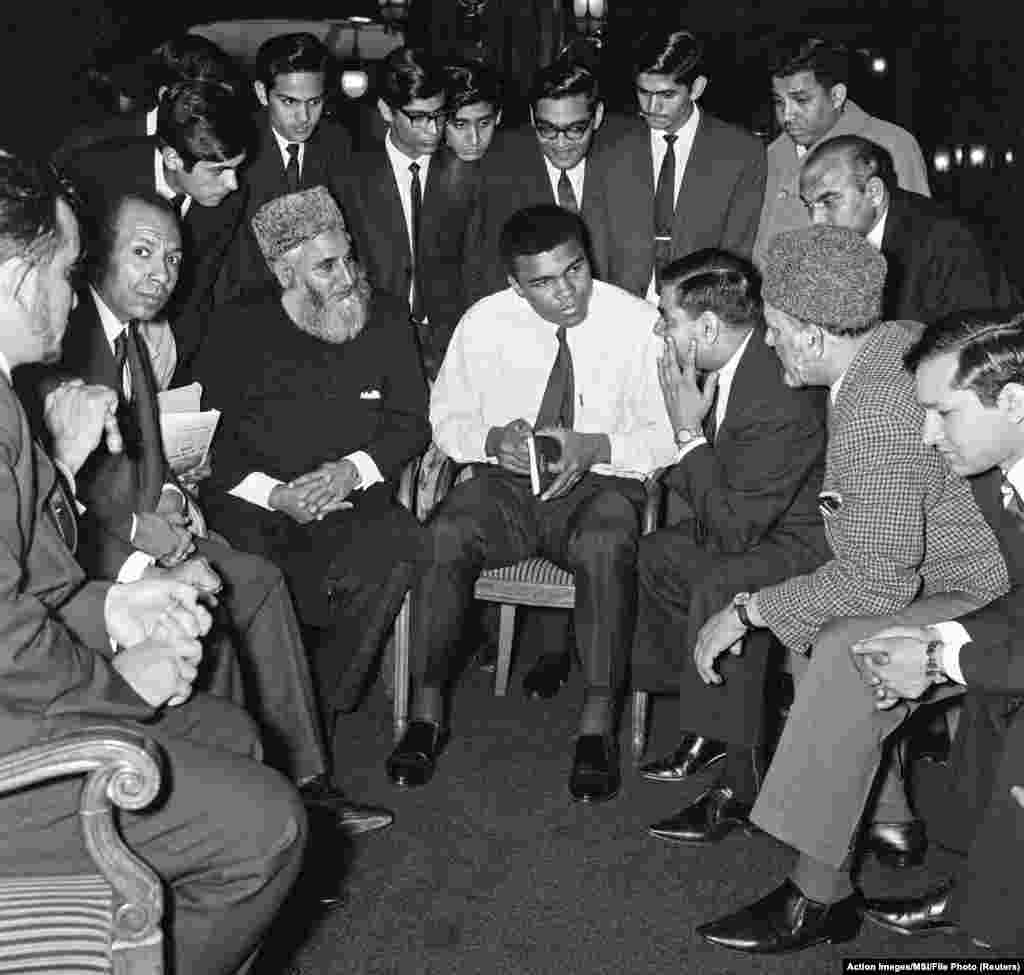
907, 539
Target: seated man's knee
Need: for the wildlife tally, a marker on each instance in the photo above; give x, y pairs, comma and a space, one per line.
609, 529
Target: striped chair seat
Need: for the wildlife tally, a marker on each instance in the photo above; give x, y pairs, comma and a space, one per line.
59, 925
532, 582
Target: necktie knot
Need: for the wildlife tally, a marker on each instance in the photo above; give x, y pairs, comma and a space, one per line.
178, 201
566, 194
414, 168
291, 170
670, 139
293, 150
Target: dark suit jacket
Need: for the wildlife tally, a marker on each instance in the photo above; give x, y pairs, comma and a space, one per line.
111, 128
513, 175
719, 201
326, 162
936, 264
54, 653
373, 210
207, 232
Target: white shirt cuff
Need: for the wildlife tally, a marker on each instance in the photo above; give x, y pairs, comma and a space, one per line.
686, 448
369, 472
953, 637
134, 566
135, 525
255, 488
69, 477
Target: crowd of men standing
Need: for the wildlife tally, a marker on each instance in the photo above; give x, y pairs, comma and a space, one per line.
781, 332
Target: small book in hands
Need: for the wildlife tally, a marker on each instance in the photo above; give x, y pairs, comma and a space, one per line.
544, 451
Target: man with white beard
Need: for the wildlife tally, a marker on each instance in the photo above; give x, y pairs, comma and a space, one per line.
322, 402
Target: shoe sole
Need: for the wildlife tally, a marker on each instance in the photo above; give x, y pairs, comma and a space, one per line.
654, 777
747, 831
593, 800
907, 933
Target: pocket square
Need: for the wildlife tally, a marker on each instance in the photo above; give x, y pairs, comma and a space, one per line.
829, 503
370, 394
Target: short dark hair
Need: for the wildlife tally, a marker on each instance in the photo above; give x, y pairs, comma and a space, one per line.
865, 158
471, 82
100, 229
538, 229
291, 54
990, 347
563, 78
29, 191
190, 57
203, 122
716, 280
410, 73
829, 62
680, 55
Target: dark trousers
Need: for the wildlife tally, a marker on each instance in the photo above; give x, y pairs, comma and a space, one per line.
492, 520
682, 584
258, 628
227, 834
347, 573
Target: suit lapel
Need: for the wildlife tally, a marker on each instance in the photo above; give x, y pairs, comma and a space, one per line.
897, 237
747, 377
697, 177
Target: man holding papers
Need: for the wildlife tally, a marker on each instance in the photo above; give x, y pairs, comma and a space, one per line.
137, 521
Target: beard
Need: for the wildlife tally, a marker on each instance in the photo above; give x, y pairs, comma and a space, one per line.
335, 318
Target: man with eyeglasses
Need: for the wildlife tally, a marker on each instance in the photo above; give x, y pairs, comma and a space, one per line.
551, 161
680, 182
298, 148
394, 204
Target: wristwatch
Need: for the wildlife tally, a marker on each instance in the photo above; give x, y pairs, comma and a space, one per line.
739, 603
933, 662
684, 435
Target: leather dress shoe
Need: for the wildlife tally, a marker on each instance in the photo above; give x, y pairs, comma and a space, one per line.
785, 921
414, 758
595, 773
912, 915
712, 816
322, 799
547, 676
694, 754
897, 844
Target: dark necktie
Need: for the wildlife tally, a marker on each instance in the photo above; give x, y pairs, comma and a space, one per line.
710, 424
62, 511
664, 205
566, 194
146, 412
415, 206
120, 359
178, 201
557, 407
291, 171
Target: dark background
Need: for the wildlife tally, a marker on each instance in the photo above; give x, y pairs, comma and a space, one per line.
951, 68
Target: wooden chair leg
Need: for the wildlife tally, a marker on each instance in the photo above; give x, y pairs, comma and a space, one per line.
402, 644
641, 700
506, 630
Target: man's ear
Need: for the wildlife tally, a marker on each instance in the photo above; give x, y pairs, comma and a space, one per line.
837, 93
1011, 401
385, 111
172, 160
815, 338
261, 92
284, 273
598, 115
515, 285
497, 119
875, 190
710, 327
698, 86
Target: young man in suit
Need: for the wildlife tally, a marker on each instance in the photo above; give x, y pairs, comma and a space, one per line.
138, 521
575, 359
810, 88
679, 181
907, 539
322, 403
474, 109
297, 147
970, 381
935, 263
749, 468
228, 835
396, 204
204, 134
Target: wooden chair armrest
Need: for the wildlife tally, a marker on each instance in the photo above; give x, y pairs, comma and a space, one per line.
654, 507
123, 770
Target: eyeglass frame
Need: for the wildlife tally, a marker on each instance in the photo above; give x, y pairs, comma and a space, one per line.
420, 120
566, 130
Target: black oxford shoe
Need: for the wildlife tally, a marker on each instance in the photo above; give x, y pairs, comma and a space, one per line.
324, 802
926, 914
694, 755
414, 758
712, 816
785, 921
547, 676
897, 844
595, 773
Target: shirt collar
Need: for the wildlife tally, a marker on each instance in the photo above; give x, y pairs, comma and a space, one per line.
151, 116
878, 231
163, 188
283, 144
400, 161
5, 366
833, 390
1015, 475
112, 326
575, 174
726, 372
686, 131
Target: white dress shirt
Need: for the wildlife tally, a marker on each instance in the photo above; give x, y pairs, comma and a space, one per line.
499, 360
403, 179
725, 377
576, 177
877, 232
683, 147
282, 146
953, 634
